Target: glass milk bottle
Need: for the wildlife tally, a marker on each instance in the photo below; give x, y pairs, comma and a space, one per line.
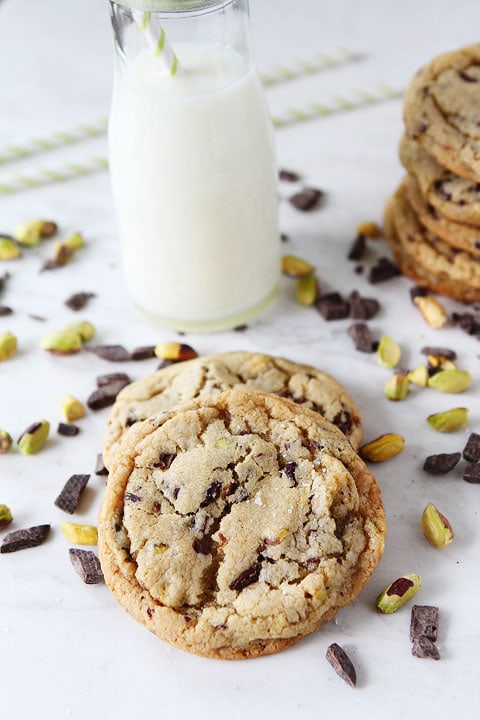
192, 163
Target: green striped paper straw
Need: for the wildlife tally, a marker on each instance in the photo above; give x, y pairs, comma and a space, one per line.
46, 175
307, 66
157, 40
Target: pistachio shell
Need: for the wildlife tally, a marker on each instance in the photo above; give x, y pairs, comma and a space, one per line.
295, 266
449, 420
388, 352
436, 527
382, 448
307, 289
451, 381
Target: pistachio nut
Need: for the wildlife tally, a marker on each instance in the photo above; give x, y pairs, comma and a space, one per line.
223, 443
5, 516
382, 448
295, 266
369, 229
30, 233
449, 420
62, 342
160, 548
175, 351
396, 388
83, 328
8, 346
398, 593
72, 408
438, 362
74, 241
62, 253
419, 376
9, 249
80, 534
307, 289
34, 437
451, 381
432, 310
388, 352
5, 442
436, 527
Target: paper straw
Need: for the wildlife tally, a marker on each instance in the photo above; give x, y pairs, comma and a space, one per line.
46, 175
158, 41
298, 68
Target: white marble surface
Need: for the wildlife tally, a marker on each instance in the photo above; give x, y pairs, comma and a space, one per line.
67, 649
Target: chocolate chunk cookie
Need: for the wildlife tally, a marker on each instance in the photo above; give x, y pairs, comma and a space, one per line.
442, 107
234, 525
214, 373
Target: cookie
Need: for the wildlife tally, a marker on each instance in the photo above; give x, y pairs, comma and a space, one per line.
236, 524
215, 373
456, 198
424, 258
442, 107
459, 235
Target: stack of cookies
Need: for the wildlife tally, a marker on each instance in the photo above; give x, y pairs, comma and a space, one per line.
238, 516
432, 222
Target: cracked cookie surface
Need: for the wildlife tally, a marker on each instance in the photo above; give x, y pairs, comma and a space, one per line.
238, 523
442, 107
202, 376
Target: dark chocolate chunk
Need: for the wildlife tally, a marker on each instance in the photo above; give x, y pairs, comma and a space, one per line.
306, 199
288, 176
417, 291
213, 492
343, 420
362, 308
4, 277
472, 473
424, 622
105, 395
360, 334
87, 565
289, 470
466, 77
165, 460
440, 352
100, 467
357, 250
468, 322
4, 310
166, 363
424, 648
103, 380
143, 353
471, 451
26, 538
67, 429
201, 546
241, 328
112, 353
284, 237
38, 318
341, 663
77, 301
332, 306
132, 497
442, 463
247, 577
70, 495
384, 269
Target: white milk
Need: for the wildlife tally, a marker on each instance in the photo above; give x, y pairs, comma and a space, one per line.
194, 181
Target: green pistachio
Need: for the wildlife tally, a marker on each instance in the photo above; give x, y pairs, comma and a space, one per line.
296, 266
80, 534
75, 241
5, 442
388, 352
449, 420
5, 516
34, 437
63, 342
419, 376
30, 233
9, 249
8, 346
450, 381
307, 289
72, 408
398, 593
82, 328
436, 527
396, 388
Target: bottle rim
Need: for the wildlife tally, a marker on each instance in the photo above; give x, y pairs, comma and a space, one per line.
174, 7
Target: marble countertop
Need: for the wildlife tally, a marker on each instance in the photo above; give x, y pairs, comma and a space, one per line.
68, 649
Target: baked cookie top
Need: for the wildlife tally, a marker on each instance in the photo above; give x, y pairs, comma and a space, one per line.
184, 381
238, 523
457, 198
442, 107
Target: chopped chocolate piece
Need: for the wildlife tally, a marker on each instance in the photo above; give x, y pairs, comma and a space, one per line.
143, 353
67, 429
77, 301
343, 420
100, 467
385, 269
357, 250
70, 495
289, 470
332, 306
166, 363
38, 318
341, 663
87, 565
360, 334
131, 497
4, 277
105, 395
362, 308
472, 473
440, 352
417, 291
241, 328
103, 380
247, 577
213, 492
471, 451
468, 322
306, 199
442, 463
284, 237
165, 460
4, 310
424, 648
201, 545
359, 269
424, 622
112, 353
26, 538
288, 176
